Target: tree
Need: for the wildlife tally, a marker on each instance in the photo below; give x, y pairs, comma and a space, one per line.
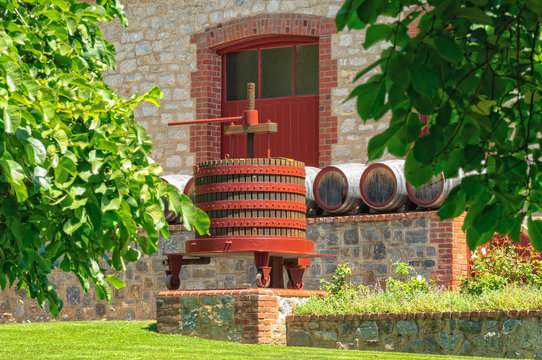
475, 71
76, 181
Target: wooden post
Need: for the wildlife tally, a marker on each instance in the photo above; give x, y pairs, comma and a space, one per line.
251, 98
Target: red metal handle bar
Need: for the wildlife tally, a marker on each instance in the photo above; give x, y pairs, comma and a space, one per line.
233, 118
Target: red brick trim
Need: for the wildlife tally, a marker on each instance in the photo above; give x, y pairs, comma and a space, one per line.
206, 80
453, 252
373, 217
235, 292
417, 315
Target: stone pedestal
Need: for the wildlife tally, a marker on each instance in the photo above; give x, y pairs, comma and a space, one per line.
251, 316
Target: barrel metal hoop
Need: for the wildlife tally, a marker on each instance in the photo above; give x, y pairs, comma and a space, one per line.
258, 222
239, 187
250, 169
252, 204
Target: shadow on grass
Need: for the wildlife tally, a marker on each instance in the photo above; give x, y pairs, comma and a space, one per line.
152, 327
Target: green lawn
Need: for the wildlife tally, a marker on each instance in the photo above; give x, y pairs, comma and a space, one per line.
138, 340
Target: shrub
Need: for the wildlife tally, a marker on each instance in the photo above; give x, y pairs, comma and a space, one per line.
501, 264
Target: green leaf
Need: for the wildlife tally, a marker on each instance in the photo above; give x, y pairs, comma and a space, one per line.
454, 204
371, 98
417, 173
14, 75
132, 255
12, 118
423, 80
534, 229
62, 139
109, 204
448, 48
377, 144
16, 174
115, 281
474, 15
72, 225
376, 33
38, 150
188, 212
202, 222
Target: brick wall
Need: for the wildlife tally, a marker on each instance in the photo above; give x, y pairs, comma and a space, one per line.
370, 243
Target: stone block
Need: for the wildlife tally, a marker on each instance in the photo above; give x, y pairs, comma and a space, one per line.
325, 336
416, 237
491, 323
514, 354
490, 341
73, 295
190, 321
529, 337
300, 338
351, 237
470, 327
449, 342
432, 344
394, 343
223, 314
510, 325
367, 330
431, 326
346, 329
466, 349
418, 345
379, 252
405, 327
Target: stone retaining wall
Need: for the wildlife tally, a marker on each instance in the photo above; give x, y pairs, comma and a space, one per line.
252, 316
510, 334
370, 243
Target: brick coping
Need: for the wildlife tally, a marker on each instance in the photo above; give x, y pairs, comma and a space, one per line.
373, 217
355, 218
251, 291
418, 315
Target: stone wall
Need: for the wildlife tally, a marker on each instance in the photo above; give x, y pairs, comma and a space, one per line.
370, 243
156, 49
510, 334
252, 316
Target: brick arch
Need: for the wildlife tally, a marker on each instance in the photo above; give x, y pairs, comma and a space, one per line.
206, 80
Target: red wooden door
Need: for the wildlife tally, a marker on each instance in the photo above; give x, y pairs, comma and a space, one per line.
287, 70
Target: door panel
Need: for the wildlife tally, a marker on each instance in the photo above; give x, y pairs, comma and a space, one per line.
297, 136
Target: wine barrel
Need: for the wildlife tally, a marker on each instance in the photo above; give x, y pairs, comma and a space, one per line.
255, 205
310, 200
383, 185
185, 185
431, 195
336, 187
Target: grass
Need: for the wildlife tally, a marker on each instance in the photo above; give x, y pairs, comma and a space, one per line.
138, 340
361, 302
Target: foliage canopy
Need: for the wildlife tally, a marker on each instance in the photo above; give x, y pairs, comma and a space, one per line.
475, 70
76, 182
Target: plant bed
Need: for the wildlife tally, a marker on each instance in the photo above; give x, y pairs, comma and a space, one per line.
497, 312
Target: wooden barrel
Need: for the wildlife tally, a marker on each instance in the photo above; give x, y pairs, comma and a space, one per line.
431, 195
254, 205
336, 187
383, 185
185, 185
310, 200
